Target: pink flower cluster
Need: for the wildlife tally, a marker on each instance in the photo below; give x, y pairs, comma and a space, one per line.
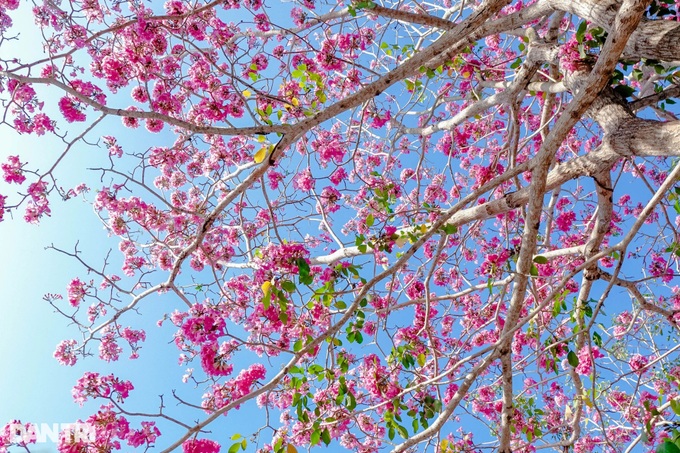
638, 363
145, 436
585, 364
133, 337
570, 56
281, 259
12, 170
103, 431
565, 220
234, 389
38, 205
3, 199
77, 290
660, 269
71, 109
216, 360
204, 325
109, 349
200, 446
380, 382
92, 385
66, 352
17, 433
329, 146
304, 180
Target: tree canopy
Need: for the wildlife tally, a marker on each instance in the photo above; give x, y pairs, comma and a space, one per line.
380, 226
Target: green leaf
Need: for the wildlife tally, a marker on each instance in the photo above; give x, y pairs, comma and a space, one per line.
315, 438
370, 220
234, 448
572, 358
288, 286
624, 90
326, 436
667, 447
533, 271
303, 269
352, 402
588, 311
403, 432
581, 31
557, 308
597, 339
675, 405
450, 229
540, 259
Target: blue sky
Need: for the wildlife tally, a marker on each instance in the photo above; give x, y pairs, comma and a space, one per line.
33, 386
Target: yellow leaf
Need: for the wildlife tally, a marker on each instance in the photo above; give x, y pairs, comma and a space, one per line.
260, 155
587, 401
291, 449
401, 241
295, 102
247, 93
466, 74
266, 287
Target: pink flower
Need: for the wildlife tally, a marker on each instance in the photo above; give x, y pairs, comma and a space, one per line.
274, 179
9, 4
108, 348
660, 268
77, 291
570, 56
2, 207
338, 176
65, 353
129, 121
585, 364
12, 170
262, 22
154, 125
91, 385
215, 360
145, 436
299, 17
200, 446
304, 180
71, 110
565, 220
42, 123
637, 363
